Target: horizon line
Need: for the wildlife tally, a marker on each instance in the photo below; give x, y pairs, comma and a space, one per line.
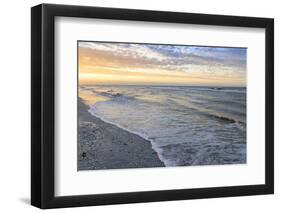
163, 85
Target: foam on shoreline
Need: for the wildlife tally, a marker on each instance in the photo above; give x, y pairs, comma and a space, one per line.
92, 112
102, 145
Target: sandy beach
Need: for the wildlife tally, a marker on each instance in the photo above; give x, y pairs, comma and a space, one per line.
105, 146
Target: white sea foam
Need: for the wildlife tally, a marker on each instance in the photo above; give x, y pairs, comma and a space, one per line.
144, 136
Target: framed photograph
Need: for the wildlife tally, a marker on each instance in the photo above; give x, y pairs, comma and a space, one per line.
139, 106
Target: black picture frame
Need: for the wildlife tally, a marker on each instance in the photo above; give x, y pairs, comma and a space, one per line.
43, 102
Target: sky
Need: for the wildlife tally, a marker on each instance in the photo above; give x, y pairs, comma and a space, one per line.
102, 63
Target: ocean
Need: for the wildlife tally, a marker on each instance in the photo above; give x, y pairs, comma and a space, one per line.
186, 125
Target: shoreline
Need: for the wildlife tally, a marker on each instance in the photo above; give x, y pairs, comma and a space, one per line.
103, 145
131, 132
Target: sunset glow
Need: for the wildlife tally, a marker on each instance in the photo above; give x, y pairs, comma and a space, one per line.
146, 64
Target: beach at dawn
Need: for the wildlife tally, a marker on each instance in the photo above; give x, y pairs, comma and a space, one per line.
159, 105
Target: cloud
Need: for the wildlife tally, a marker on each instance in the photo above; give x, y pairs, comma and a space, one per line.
177, 60
170, 57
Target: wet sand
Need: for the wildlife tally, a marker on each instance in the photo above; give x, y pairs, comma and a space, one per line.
105, 146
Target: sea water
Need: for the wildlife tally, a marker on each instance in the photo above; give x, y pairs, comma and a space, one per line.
185, 125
